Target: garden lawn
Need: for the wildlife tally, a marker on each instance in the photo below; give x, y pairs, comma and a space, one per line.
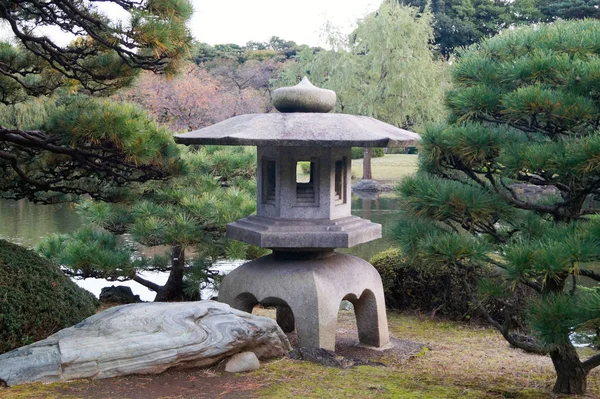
389, 168
461, 361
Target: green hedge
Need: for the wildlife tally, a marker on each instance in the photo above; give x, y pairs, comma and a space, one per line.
438, 290
36, 298
410, 288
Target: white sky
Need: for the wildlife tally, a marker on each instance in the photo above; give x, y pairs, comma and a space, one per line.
239, 21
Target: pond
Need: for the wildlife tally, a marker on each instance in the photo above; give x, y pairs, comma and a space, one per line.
26, 224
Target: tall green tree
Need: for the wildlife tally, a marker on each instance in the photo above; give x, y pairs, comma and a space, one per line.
573, 9
384, 69
503, 191
188, 212
460, 23
77, 143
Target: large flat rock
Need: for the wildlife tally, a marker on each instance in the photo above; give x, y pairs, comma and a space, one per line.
144, 338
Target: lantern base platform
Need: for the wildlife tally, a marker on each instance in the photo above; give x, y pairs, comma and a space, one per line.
275, 233
306, 289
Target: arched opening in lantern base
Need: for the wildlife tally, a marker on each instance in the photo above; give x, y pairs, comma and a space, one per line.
283, 313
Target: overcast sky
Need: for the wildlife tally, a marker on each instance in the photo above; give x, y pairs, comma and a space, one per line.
239, 21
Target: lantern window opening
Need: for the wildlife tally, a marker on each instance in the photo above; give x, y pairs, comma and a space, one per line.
305, 183
340, 183
269, 178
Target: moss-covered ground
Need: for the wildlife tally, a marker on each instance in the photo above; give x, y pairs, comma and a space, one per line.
461, 361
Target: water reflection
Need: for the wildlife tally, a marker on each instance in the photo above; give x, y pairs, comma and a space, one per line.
26, 223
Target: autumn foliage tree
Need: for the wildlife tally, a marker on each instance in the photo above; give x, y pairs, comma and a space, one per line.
198, 97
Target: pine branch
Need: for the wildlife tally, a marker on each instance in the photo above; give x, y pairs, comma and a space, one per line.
86, 169
516, 340
591, 363
146, 283
590, 274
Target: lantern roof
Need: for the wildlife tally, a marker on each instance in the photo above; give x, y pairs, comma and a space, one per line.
301, 129
303, 121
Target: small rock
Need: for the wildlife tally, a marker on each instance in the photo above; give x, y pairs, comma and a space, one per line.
120, 294
241, 362
346, 305
367, 185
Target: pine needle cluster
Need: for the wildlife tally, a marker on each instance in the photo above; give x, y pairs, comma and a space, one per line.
154, 227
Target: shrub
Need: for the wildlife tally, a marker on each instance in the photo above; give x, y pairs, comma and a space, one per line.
410, 288
403, 150
36, 298
439, 291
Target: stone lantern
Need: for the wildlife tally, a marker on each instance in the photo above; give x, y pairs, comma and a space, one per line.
303, 217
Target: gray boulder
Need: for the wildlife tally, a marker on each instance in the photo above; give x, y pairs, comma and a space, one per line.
367, 185
144, 338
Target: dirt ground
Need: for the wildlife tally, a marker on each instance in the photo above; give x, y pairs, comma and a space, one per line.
208, 383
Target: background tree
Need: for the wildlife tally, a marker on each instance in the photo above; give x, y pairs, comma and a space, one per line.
275, 48
575, 9
460, 23
79, 144
249, 83
525, 119
186, 212
197, 97
384, 69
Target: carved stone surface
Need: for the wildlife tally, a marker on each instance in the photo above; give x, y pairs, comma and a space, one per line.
312, 285
145, 338
289, 233
301, 130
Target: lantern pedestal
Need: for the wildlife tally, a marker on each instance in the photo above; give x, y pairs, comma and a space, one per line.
312, 285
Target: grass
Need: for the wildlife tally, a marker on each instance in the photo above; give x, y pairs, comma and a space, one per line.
462, 361
389, 168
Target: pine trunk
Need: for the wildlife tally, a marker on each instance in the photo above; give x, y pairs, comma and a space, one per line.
571, 377
367, 173
173, 288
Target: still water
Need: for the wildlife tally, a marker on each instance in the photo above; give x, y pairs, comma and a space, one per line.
26, 224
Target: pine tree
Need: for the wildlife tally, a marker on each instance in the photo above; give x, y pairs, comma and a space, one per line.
77, 143
461, 23
503, 191
186, 212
